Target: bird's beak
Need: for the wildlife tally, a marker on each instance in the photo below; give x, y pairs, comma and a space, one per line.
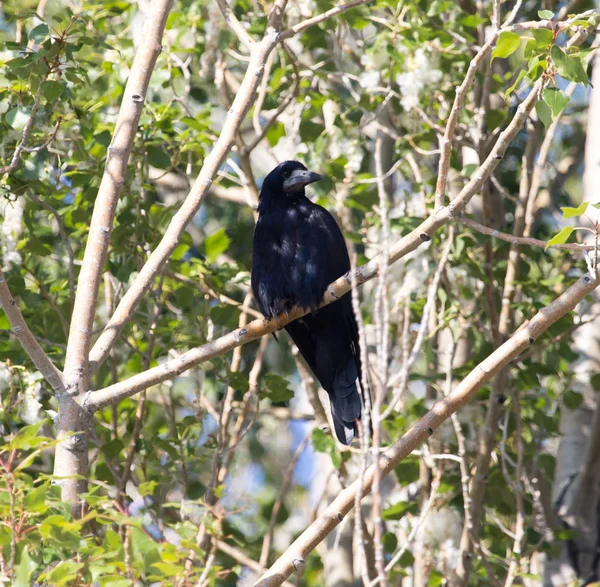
299, 178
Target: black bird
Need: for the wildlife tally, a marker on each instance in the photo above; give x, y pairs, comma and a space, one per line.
298, 251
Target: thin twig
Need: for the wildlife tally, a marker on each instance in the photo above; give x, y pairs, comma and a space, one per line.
283, 490
26, 129
519, 240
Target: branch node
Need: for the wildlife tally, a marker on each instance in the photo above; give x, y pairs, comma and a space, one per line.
452, 210
298, 563
424, 237
340, 516
586, 278
531, 340
430, 431
137, 98
76, 442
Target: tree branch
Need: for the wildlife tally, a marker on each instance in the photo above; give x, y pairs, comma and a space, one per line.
235, 25
525, 336
32, 347
26, 129
517, 240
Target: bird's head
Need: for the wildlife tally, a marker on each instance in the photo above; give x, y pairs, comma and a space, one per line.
289, 178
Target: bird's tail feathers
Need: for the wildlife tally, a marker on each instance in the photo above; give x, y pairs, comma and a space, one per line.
345, 403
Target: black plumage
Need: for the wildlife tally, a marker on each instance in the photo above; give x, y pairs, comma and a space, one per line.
298, 251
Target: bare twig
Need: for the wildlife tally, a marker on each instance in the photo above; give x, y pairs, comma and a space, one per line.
287, 479
400, 380
241, 558
234, 24
26, 129
519, 240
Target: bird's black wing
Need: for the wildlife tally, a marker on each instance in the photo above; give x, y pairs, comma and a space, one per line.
328, 337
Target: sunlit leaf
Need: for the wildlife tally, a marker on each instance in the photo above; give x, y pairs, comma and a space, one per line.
508, 42
572, 212
560, 238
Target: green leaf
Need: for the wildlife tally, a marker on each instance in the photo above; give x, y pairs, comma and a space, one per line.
158, 158
39, 32
572, 399
239, 381
276, 388
572, 212
224, 315
63, 574
508, 43
569, 66
546, 14
35, 500
390, 542
215, 244
4, 323
398, 510
560, 238
147, 488
543, 38
193, 123
321, 441
544, 113
112, 448
51, 90
17, 117
556, 100
169, 569
274, 133
27, 438
517, 82
24, 569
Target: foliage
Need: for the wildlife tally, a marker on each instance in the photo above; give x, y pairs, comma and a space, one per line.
151, 483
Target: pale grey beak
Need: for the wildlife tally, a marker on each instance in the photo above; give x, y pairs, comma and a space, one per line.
300, 178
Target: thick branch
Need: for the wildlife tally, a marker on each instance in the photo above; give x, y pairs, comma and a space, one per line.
32, 347
295, 555
84, 310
